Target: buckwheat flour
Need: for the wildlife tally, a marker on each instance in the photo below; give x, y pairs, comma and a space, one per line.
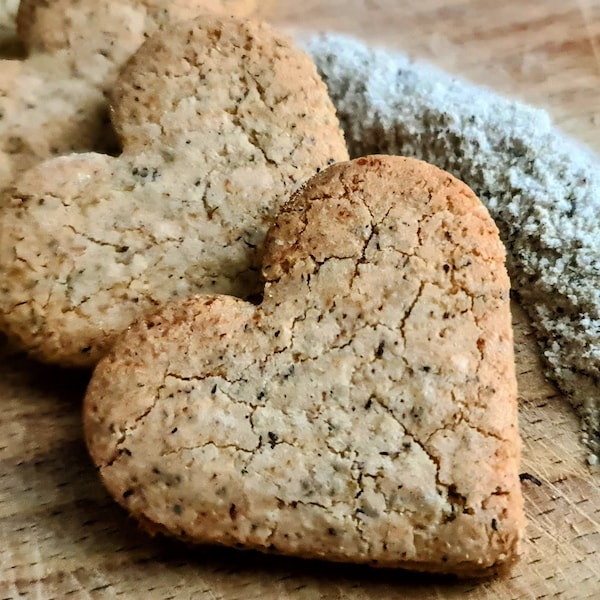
542, 189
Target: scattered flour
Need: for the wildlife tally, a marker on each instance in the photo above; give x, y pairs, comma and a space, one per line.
542, 189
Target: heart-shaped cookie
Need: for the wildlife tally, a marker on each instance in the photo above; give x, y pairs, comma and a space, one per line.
365, 411
53, 102
220, 120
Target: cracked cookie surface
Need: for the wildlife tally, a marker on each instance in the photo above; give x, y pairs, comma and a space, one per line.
365, 411
53, 102
221, 119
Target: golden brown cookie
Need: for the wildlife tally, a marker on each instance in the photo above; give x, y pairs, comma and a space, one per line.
364, 412
220, 120
53, 102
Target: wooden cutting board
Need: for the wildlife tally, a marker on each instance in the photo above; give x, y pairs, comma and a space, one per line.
61, 536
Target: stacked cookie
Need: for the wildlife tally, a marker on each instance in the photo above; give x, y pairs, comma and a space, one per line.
219, 121
250, 316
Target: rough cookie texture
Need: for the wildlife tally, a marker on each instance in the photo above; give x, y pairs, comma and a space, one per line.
54, 101
542, 189
365, 411
220, 120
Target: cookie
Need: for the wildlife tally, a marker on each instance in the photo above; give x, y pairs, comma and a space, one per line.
53, 102
220, 120
364, 412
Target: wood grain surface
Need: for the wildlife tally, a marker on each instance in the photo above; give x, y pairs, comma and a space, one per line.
61, 536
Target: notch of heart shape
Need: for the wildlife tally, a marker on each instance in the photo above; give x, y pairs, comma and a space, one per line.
53, 101
220, 120
365, 411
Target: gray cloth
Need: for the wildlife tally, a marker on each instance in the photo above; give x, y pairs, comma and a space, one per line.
542, 189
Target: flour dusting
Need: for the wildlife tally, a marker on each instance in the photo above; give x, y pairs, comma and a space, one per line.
542, 189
